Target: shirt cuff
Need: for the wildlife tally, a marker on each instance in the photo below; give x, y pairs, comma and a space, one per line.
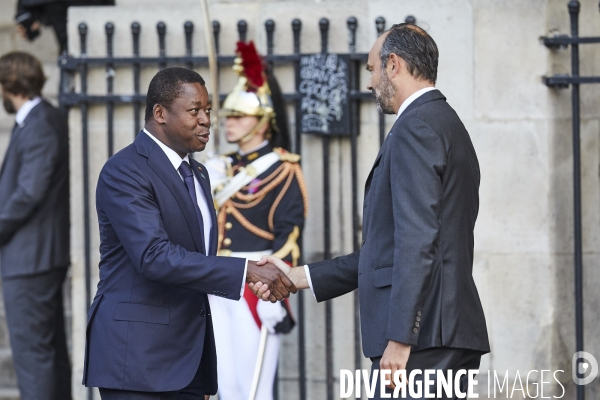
307, 272
244, 279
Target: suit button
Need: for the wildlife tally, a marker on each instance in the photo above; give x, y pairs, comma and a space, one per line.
418, 319
228, 225
418, 313
363, 241
417, 324
202, 313
415, 330
226, 242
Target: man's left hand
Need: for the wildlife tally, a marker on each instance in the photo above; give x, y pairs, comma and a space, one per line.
394, 358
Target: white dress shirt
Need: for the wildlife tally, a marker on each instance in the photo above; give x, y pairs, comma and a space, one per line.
403, 107
25, 109
412, 98
203, 202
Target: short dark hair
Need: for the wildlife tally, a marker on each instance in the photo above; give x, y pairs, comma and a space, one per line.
165, 87
21, 74
415, 47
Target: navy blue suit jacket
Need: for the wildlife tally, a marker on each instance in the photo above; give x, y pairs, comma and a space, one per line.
414, 270
149, 326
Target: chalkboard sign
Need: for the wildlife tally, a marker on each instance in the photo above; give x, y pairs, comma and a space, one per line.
323, 90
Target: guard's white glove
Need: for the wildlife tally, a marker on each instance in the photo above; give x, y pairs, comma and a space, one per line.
270, 314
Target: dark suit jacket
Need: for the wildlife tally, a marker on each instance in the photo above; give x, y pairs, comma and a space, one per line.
150, 326
414, 271
34, 195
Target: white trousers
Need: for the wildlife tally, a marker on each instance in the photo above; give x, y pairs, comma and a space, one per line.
237, 339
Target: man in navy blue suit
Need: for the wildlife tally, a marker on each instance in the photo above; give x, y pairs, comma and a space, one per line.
149, 333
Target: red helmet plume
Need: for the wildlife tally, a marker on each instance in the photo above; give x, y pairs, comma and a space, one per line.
252, 64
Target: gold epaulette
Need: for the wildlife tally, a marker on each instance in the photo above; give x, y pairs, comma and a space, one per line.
290, 247
285, 155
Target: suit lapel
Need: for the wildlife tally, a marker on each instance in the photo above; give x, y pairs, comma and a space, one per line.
375, 164
200, 174
160, 164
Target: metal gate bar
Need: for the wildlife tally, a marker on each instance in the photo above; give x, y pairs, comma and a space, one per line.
135, 33
296, 28
324, 28
575, 102
561, 82
83, 107
110, 77
380, 25
354, 69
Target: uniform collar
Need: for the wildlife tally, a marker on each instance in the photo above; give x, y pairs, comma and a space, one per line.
259, 151
260, 146
26, 109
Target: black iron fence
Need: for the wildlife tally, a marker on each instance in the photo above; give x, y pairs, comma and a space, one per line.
73, 66
563, 82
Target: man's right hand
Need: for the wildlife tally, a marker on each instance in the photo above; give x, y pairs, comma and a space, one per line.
296, 275
277, 281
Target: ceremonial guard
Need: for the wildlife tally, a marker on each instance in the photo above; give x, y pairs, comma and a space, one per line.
261, 203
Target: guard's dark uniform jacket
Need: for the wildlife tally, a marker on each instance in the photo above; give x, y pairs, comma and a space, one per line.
269, 212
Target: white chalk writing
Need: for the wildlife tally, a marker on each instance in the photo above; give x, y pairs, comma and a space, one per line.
324, 91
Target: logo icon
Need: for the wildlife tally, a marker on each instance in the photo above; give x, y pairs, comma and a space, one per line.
585, 368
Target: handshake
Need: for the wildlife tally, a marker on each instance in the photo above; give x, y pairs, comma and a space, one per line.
273, 280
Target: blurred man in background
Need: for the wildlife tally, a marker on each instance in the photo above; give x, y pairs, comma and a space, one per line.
34, 231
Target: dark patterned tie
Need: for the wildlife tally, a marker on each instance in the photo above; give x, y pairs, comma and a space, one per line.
188, 177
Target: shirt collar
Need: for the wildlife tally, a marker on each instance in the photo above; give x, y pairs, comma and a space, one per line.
26, 109
175, 159
412, 98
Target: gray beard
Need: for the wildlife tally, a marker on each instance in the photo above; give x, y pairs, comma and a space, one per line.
385, 96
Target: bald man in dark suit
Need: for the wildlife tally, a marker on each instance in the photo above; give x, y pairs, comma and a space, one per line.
419, 306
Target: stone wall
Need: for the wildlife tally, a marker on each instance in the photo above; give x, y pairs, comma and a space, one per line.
45, 48
491, 64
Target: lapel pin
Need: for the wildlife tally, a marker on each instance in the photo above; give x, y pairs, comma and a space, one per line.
199, 168
202, 175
